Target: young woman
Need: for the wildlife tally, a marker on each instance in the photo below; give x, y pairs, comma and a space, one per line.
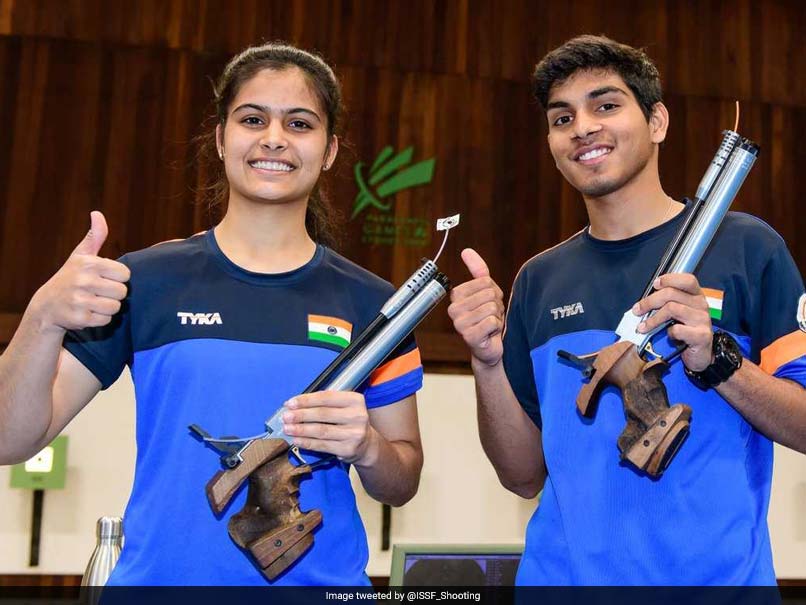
221, 329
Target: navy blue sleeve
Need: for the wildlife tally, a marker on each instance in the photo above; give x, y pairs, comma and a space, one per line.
780, 333
106, 350
398, 377
517, 358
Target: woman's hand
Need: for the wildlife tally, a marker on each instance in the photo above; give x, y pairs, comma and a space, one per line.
87, 291
332, 422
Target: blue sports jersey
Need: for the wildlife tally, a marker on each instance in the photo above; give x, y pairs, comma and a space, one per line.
213, 344
600, 522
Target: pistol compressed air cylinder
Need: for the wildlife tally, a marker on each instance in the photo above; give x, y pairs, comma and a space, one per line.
397, 301
685, 253
710, 217
400, 326
715, 168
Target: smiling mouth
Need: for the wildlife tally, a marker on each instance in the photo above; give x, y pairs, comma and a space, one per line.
594, 154
272, 165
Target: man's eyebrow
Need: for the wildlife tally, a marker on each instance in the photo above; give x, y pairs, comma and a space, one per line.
556, 105
598, 92
267, 109
605, 90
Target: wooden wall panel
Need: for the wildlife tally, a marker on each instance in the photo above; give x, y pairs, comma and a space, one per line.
735, 48
100, 105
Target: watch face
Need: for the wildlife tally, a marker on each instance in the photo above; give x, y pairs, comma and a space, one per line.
728, 348
727, 359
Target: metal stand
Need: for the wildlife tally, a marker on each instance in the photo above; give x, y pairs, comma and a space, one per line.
36, 527
386, 525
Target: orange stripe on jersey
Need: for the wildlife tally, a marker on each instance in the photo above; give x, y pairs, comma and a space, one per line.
332, 321
783, 350
719, 294
397, 367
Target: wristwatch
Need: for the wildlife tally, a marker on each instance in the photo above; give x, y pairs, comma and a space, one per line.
727, 359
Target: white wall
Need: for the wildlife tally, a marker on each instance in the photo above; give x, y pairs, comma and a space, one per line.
100, 467
460, 499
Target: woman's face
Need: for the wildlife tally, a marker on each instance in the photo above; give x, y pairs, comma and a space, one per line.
275, 140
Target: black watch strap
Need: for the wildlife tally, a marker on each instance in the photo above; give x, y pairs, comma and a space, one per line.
727, 359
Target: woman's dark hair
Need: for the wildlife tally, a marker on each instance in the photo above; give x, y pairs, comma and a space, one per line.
320, 216
599, 52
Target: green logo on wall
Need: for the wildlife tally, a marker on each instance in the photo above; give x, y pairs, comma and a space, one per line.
388, 175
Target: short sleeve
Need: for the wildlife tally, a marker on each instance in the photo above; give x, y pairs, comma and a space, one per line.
517, 357
398, 377
781, 318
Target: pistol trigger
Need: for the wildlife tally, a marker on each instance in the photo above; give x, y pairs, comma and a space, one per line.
648, 349
297, 455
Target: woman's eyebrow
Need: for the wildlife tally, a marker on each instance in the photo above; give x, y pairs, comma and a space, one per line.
268, 110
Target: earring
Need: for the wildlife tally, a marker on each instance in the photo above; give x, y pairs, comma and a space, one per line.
220, 154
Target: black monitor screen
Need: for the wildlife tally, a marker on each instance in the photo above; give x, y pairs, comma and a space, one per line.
490, 569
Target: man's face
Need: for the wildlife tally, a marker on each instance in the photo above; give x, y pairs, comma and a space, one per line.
598, 134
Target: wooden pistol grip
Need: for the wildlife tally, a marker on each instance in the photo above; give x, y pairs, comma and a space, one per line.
288, 557
655, 431
225, 483
654, 449
271, 527
644, 394
615, 362
274, 552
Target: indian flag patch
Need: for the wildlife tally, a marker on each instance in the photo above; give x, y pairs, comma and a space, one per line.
714, 298
332, 330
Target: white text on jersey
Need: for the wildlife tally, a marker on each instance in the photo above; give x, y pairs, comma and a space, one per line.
199, 319
567, 310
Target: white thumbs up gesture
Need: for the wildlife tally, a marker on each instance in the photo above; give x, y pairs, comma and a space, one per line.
87, 291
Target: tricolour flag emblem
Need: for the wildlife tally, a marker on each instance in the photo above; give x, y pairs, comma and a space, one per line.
715, 299
331, 330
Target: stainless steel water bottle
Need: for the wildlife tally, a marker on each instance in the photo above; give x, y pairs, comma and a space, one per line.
107, 551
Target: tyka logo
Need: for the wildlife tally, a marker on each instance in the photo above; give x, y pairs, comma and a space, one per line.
199, 319
567, 310
391, 173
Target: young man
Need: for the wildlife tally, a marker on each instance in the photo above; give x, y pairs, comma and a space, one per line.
601, 522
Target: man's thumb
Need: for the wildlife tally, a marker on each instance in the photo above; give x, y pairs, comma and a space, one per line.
95, 237
474, 263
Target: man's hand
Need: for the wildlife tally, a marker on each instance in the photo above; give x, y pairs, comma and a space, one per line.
87, 291
678, 296
477, 311
332, 422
